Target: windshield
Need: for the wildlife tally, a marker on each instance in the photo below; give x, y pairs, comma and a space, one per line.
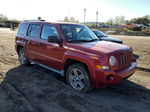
78, 33
99, 33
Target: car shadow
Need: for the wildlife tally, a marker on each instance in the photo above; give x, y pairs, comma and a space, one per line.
41, 87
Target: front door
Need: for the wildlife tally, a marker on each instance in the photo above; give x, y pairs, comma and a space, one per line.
51, 53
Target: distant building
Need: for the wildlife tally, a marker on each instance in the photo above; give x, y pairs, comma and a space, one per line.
9, 23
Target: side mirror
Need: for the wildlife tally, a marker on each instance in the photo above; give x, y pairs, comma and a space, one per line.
53, 39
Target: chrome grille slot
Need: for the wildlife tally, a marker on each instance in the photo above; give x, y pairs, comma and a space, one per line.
124, 59
119, 61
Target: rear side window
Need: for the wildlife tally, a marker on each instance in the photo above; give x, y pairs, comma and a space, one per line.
48, 30
34, 30
23, 29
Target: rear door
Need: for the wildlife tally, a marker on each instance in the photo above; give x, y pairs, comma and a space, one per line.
21, 35
32, 43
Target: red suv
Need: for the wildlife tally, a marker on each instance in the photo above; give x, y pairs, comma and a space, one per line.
75, 52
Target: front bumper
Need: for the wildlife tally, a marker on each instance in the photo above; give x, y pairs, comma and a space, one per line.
110, 77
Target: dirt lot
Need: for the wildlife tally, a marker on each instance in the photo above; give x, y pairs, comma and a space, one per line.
141, 47
35, 89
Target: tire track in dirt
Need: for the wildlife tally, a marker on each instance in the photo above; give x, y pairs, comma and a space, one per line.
9, 60
1, 77
1, 74
50, 91
133, 94
17, 97
143, 69
44, 89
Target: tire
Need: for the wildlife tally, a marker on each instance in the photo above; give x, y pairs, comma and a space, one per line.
78, 78
22, 58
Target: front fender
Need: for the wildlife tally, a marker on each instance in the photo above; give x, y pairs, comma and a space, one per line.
89, 60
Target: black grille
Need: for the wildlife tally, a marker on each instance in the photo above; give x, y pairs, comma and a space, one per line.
124, 59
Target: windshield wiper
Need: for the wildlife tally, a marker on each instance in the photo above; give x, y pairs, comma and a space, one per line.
92, 40
82, 40
76, 40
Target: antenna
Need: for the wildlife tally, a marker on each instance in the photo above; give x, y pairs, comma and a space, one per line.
84, 14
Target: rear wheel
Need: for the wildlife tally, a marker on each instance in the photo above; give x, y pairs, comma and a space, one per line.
78, 78
22, 57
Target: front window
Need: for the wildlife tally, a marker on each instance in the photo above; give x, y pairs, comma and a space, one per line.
78, 33
47, 31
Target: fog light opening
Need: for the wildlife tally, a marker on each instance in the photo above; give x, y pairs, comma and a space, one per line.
110, 78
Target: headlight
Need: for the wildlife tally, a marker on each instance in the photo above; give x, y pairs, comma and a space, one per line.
112, 61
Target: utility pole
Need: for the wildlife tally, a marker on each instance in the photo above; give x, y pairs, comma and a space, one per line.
69, 13
96, 18
84, 14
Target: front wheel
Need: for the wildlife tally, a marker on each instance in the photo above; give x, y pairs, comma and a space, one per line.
22, 57
78, 78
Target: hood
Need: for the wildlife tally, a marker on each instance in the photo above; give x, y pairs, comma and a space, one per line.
99, 47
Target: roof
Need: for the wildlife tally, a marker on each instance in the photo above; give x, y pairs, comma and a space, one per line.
43, 21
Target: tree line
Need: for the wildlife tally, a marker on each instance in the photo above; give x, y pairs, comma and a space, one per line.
118, 20
145, 20
5, 22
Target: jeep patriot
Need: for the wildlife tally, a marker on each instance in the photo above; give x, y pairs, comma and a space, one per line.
74, 52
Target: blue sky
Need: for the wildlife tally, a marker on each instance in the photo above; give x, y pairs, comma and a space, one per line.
53, 10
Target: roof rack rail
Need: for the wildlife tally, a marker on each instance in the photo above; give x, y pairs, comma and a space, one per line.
37, 20
33, 20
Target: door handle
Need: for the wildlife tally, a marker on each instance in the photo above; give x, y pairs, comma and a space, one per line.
40, 44
27, 41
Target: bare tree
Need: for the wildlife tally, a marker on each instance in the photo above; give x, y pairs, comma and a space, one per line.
3, 17
71, 19
119, 20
